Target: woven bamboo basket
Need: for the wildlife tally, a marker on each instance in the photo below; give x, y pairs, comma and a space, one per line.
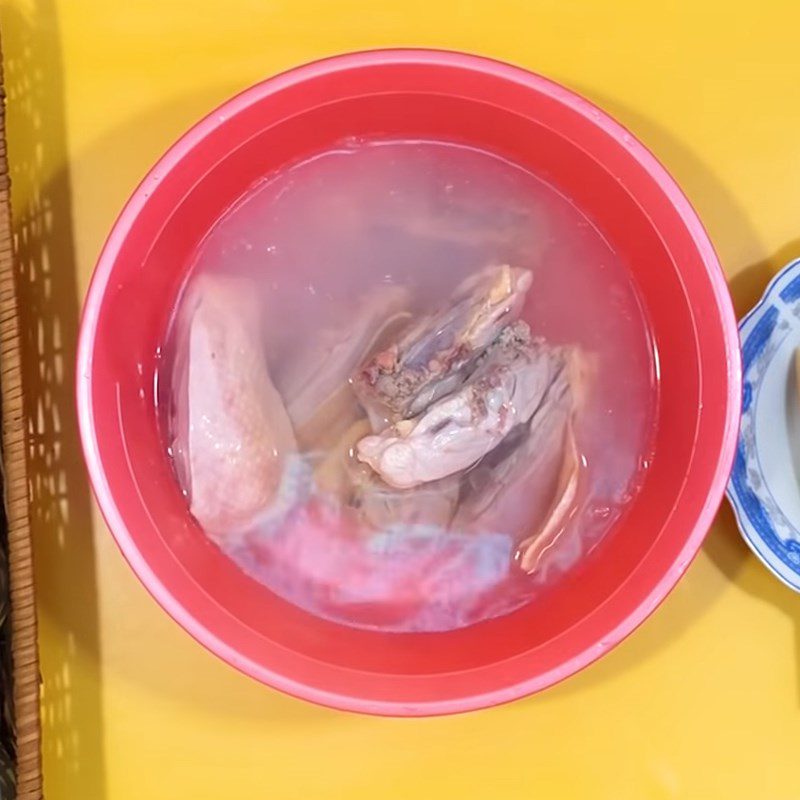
23, 607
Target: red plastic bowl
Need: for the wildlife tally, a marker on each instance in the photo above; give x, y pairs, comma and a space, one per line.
559, 136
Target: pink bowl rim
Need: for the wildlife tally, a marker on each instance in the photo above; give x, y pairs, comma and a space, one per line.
100, 279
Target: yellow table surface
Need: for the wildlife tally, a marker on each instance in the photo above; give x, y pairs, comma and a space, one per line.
701, 702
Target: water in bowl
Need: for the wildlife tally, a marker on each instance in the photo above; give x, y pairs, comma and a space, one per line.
408, 385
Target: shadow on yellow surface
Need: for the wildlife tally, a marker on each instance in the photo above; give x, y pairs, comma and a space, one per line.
729, 553
725, 220
46, 283
748, 285
163, 668
62, 516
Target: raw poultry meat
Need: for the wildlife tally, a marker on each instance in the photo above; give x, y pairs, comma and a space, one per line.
384, 507
453, 433
470, 426
498, 227
314, 382
232, 432
527, 486
435, 354
409, 578
340, 474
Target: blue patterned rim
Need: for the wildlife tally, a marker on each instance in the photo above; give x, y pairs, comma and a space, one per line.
757, 514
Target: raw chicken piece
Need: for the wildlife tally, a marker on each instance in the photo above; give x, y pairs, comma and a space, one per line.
408, 578
339, 474
435, 355
537, 467
534, 548
314, 382
502, 226
531, 551
334, 473
383, 507
452, 434
232, 430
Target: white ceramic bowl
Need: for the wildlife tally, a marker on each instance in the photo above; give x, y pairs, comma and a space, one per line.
764, 488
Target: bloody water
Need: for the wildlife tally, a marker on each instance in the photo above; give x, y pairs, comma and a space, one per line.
401, 223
